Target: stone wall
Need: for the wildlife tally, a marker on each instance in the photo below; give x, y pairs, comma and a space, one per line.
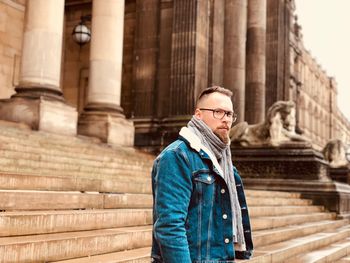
11, 34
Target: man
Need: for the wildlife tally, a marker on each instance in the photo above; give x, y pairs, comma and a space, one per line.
199, 212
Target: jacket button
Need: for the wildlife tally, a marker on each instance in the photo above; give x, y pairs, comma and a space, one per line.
209, 178
222, 191
224, 216
227, 240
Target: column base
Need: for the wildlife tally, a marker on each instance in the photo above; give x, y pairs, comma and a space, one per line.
110, 128
41, 113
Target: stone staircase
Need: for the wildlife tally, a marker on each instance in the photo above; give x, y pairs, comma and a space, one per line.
68, 199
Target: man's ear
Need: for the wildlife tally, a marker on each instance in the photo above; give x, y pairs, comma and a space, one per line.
198, 113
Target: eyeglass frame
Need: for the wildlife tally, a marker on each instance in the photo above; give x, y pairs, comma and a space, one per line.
226, 113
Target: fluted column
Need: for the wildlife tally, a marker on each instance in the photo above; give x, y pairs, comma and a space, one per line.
38, 101
256, 61
145, 58
103, 116
235, 52
278, 50
189, 55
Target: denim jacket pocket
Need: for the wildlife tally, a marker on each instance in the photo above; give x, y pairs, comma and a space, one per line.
205, 186
205, 178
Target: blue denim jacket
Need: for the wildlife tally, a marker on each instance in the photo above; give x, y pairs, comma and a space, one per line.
192, 218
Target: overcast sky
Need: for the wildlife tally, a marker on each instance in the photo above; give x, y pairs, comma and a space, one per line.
326, 31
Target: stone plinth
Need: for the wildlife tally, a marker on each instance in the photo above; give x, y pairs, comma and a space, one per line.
333, 195
153, 135
110, 128
294, 167
289, 161
340, 174
41, 114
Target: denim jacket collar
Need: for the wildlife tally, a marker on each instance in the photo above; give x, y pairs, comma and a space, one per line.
196, 144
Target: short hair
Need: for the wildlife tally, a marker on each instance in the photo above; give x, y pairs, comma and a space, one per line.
206, 92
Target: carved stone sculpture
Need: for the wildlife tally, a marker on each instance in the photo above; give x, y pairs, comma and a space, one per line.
278, 128
335, 153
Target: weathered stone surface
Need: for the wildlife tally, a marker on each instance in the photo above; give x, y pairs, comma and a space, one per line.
43, 248
335, 153
41, 114
340, 174
289, 161
333, 195
47, 200
114, 130
45, 222
277, 129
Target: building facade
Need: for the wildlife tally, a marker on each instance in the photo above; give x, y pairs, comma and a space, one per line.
137, 80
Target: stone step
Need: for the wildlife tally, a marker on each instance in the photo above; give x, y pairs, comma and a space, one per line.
57, 165
140, 255
260, 223
48, 200
114, 184
48, 221
283, 251
345, 259
256, 211
262, 193
54, 247
270, 236
277, 201
94, 155
60, 143
331, 253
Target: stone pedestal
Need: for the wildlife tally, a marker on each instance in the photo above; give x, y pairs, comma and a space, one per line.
153, 135
110, 128
289, 161
294, 167
333, 195
41, 114
340, 174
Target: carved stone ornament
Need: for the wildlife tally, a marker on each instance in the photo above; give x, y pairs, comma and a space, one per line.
335, 153
278, 128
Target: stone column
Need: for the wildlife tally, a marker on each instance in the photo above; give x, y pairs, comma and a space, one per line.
278, 50
189, 55
145, 58
256, 58
145, 68
235, 52
38, 101
103, 116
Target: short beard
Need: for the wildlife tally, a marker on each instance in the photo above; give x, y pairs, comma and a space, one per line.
224, 139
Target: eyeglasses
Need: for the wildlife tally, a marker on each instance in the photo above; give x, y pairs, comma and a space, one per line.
220, 114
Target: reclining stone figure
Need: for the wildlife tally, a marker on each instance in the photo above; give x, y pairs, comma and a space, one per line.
335, 153
278, 128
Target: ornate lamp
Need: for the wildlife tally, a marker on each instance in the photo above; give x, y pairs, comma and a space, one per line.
81, 33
